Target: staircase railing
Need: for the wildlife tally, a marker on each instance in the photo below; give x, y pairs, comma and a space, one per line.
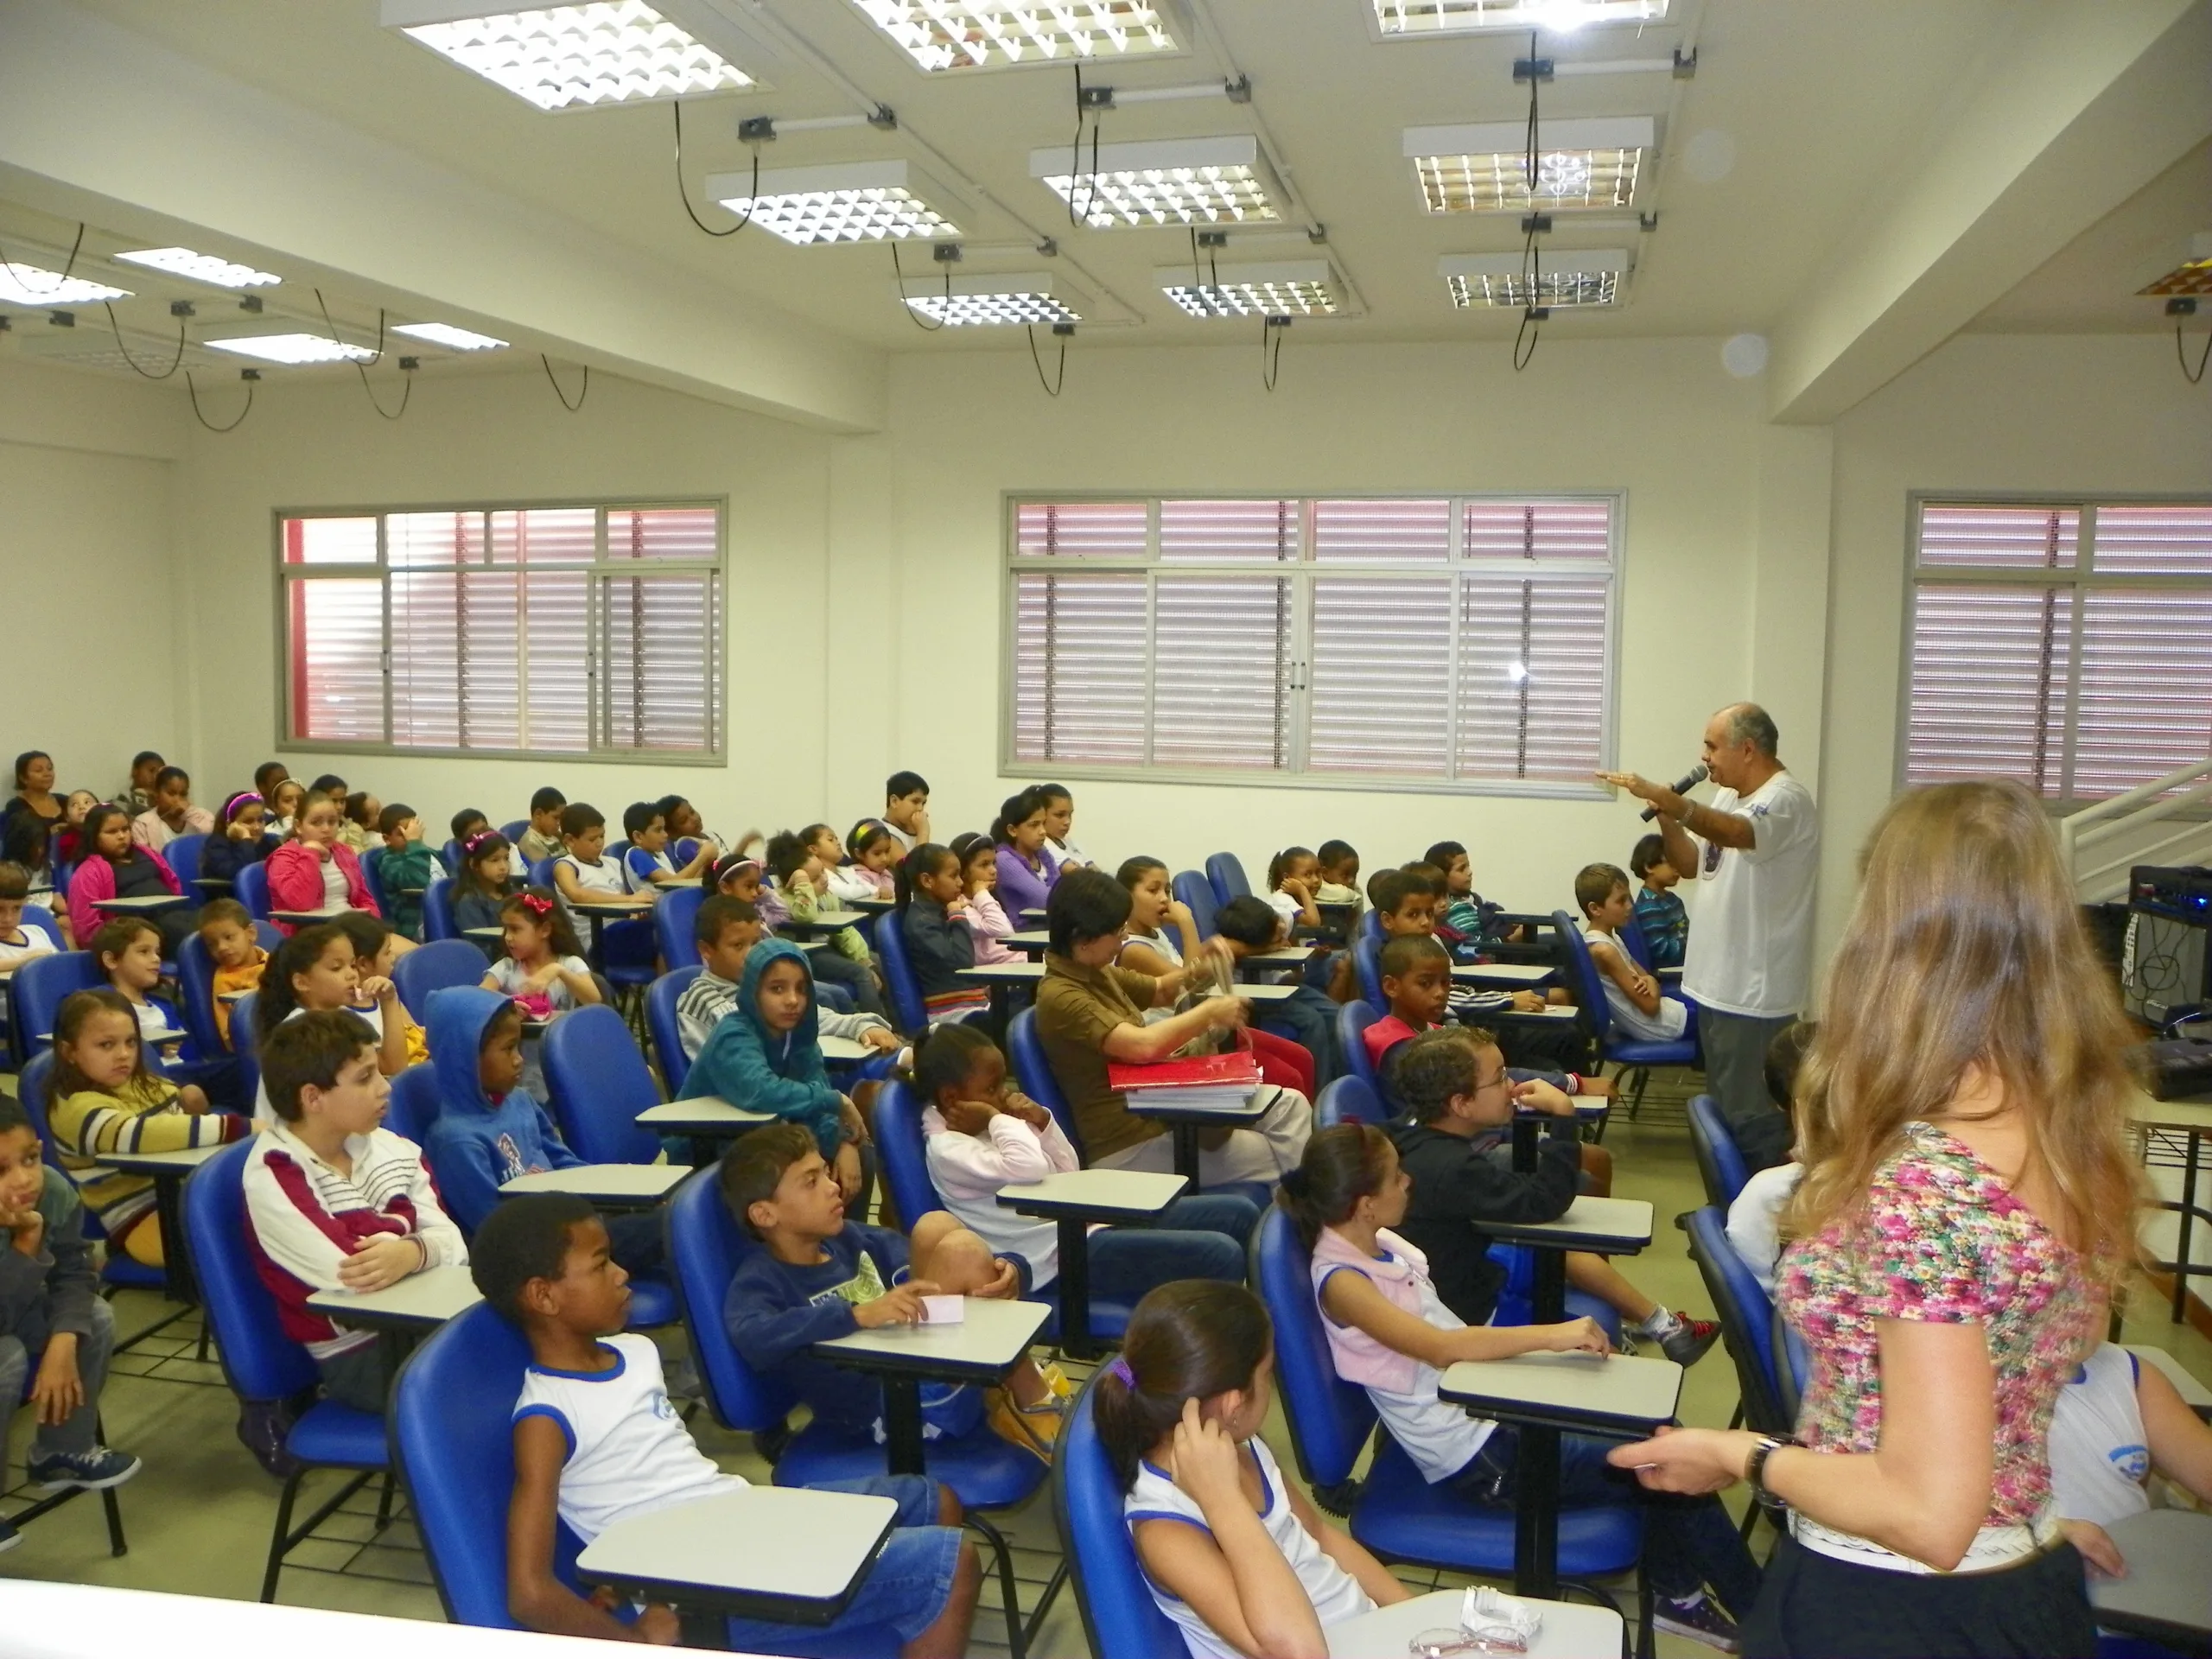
2086, 837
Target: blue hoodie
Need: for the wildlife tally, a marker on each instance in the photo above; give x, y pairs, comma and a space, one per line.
747, 1065
478, 1142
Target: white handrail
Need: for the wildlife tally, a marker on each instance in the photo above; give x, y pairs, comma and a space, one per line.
2136, 809
2070, 827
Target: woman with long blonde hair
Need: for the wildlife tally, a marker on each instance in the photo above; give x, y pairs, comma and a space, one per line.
1968, 1208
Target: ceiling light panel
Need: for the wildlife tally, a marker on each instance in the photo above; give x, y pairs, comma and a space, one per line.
1174, 182
1566, 278
36, 286
453, 338
1473, 16
293, 349
985, 301
201, 267
574, 57
1483, 169
860, 201
1300, 287
941, 35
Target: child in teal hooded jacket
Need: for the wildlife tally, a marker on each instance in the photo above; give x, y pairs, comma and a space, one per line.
766, 1055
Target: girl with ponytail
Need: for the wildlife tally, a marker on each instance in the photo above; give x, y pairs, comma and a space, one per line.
1233, 1553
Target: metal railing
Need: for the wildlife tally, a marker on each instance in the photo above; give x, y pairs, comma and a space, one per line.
2082, 834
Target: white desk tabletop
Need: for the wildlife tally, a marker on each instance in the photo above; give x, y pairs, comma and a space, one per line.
1004, 972
613, 901
419, 1301
604, 1182
788, 1543
1104, 1194
1031, 938
703, 1113
1263, 991
2166, 1552
330, 914
1556, 1011
1580, 1391
982, 1347
2184, 1116
232, 996
1167, 1109
871, 907
1612, 1226
1571, 1629
142, 901
1033, 916
182, 1162
828, 921
494, 934
844, 1048
1511, 975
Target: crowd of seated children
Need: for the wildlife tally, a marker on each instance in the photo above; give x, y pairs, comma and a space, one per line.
21, 940
318, 970
799, 885
113, 868
27, 842
1390, 1331
766, 1055
860, 867
284, 803
584, 873
376, 950
542, 840
172, 813
984, 917
818, 1276
332, 788
1336, 874
1465, 921
137, 792
1179, 1416
1091, 1014
104, 1099
466, 822
407, 868
906, 809
1456, 1145
684, 823
1632, 996
484, 882
336, 1202
1059, 827
597, 1442
127, 950
980, 1133
56, 1333
1027, 870
1248, 926
313, 870
359, 829
542, 970
932, 900
645, 862
234, 951
1416, 974
1293, 874
725, 929
1162, 934
238, 838
1659, 909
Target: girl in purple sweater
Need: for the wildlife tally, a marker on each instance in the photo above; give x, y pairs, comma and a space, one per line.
1026, 871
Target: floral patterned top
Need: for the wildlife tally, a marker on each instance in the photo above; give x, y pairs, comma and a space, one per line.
1941, 1237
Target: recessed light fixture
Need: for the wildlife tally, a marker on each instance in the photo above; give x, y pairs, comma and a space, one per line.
35, 285
1566, 276
2192, 277
857, 202
1304, 288
453, 338
201, 267
1483, 168
1471, 16
1172, 182
568, 57
944, 35
974, 300
292, 348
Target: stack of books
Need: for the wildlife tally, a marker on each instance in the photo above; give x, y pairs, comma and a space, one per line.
1217, 1083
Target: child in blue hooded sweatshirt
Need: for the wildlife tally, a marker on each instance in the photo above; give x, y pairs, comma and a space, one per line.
490, 1129
766, 1057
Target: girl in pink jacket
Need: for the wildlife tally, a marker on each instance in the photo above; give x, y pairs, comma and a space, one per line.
313, 870
112, 867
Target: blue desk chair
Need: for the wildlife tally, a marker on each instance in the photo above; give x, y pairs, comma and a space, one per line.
195, 974
1349, 1100
250, 887
1196, 892
599, 1083
513, 833
540, 872
1033, 1072
437, 912
38, 990
432, 968
685, 851
1792, 1366
912, 1014
245, 1043
265, 1368
1225, 874
1635, 1055
1119, 1618
627, 956
1352, 1022
985, 1472
182, 856
118, 1271
1367, 968
674, 919
1746, 1315
663, 1026
414, 1104
373, 879
1393, 1511
1719, 1159
450, 855
1370, 927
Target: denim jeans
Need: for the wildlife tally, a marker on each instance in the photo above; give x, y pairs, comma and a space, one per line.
19, 1352
1198, 1238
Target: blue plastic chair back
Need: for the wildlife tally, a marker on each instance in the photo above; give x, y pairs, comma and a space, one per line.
1639, 948
1746, 1319
1330, 1419
1225, 874
260, 1362
1119, 1615
40, 986
1034, 1071
435, 967
1370, 927
414, 1104
1348, 1100
437, 912
1367, 968
674, 918
684, 851
450, 855
1352, 1022
513, 833
663, 1026
373, 879
899, 1146
1792, 1366
33, 1084
704, 1247
541, 875
899, 977
182, 856
1582, 975
1195, 891
39, 916
599, 1083
195, 974
245, 1041
1719, 1159
251, 888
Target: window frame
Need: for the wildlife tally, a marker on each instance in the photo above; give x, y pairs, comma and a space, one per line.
1302, 573
597, 690
2082, 580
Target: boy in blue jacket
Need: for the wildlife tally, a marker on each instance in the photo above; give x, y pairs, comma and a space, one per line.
490, 1129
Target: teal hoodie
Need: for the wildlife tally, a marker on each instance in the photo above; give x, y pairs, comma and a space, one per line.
747, 1065
479, 1143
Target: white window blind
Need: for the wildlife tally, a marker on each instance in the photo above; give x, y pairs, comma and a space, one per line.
2067, 644
510, 630
1435, 643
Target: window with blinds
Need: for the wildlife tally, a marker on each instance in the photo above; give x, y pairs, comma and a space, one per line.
506, 630
1445, 642
2068, 644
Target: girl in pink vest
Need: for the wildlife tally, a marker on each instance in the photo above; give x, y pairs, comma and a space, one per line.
315, 870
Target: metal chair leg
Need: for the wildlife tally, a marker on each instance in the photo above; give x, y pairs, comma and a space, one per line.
1646, 1637
385, 1497
277, 1538
1016, 1641
116, 1546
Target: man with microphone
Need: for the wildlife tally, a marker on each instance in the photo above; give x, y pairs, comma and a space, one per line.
1755, 852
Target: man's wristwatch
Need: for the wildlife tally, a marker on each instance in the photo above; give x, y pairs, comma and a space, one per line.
1755, 1469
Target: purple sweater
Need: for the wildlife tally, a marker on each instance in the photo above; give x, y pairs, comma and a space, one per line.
1021, 887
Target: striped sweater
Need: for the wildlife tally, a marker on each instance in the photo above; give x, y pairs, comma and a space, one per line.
143, 1116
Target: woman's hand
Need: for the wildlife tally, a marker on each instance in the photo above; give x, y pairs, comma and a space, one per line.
1227, 1013
1687, 1459
1204, 1461
2097, 1547
1583, 1336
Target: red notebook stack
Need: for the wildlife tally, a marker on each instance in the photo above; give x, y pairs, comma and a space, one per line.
1221, 1081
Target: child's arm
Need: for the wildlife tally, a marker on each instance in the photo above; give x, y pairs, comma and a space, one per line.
581, 986
1141, 958
558, 1152
768, 1329
1349, 1297
992, 1148
462, 1166
1638, 986
1309, 914
392, 1052
1479, 1190
732, 1067
565, 882
538, 1600
1136, 1045
2181, 1442
1382, 1586
90, 1124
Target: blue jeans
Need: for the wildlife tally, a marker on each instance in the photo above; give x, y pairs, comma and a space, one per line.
21, 1349
1198, 1237
905, 1590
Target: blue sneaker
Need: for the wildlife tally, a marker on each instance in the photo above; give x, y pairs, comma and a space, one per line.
91, 1471
1697, 1617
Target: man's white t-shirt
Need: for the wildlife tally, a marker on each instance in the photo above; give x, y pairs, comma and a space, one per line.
1752, 951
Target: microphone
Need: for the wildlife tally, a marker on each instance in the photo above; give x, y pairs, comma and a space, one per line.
1687, 782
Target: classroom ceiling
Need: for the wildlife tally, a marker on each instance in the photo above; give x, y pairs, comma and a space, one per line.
1788, 153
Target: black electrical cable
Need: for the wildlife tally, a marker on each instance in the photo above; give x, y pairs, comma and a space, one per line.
1051, 387
1531, 329
2203, 357
209, 425
406, 391
1082, 215
684, 195
109, 307
914, 315
66, 270
331, 328
361, 368
583, 394
1270, 363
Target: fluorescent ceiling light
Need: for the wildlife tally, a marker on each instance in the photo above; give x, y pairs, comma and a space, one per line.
565, 57
941, 34
858, 201
2193, 275
201, 267
976, 300
1174, 182
1300, 287
292, 348
453, 338
1483, 169
35, 285
1566, 276
1469, 16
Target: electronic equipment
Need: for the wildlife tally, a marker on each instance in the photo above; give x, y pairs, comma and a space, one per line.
2179, 894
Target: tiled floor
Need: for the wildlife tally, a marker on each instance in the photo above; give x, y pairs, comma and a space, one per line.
199, 1516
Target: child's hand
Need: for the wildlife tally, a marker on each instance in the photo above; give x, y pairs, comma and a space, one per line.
379, 988
968, 1116
380, 1262
882, 1037
956, 906
1296, 887
1205, 1462
2096, 1546
1005, 1283
1527, 1002
901, 1305
58, 1391
27, 1226
237, 832
1017, 1105
848, 1117
1540, 1097
542, 980
1583, 1336
193, 1099
659, 1627
1179, 915
846, 1166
